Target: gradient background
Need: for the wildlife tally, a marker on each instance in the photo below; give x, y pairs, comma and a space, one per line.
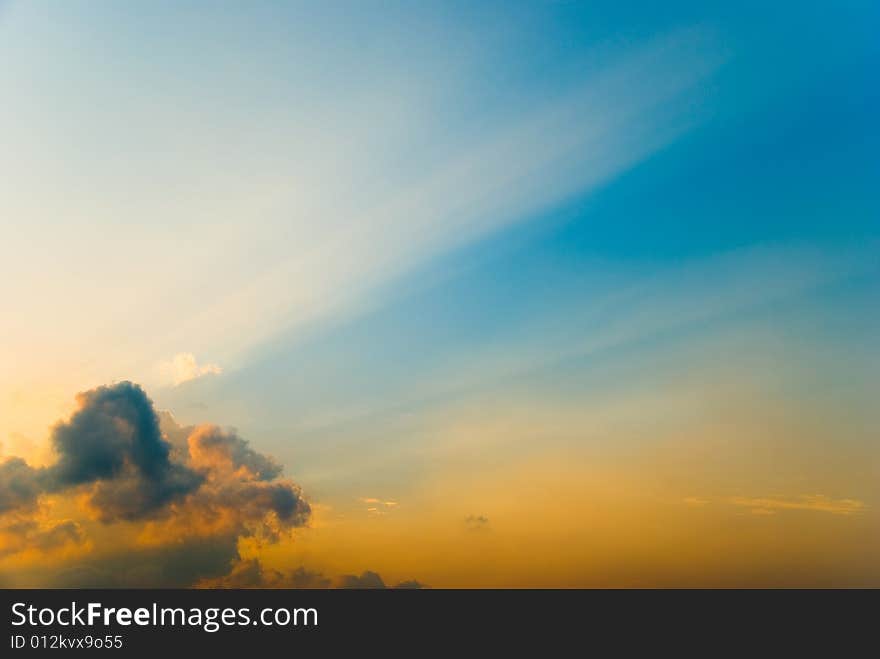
551, 294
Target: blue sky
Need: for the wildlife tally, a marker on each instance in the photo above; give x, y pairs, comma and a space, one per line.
370, 235
782, 156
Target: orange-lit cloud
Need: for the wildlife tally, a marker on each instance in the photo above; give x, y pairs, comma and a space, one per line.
132, 498
24, 534
167, 491
376, 506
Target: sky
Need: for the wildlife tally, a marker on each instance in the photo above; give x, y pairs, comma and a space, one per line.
547, 294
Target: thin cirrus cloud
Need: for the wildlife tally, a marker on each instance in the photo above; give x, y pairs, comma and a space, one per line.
305, 231
810, 502
763, 506
536, 158
720, 287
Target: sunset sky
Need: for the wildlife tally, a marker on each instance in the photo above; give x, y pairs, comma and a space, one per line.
497, 294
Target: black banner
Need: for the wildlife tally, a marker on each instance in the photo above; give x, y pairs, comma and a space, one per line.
130, 622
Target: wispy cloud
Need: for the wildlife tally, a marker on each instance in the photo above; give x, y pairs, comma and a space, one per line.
766, 506
376, 506
812, 502
719, 287
313, 255
503, 174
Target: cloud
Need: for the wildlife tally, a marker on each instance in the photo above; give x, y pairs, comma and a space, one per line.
186, 495
476, 522
302, 578
19, 485
213, 449
183, 367
766, 506
244, 574
371, 580
366, 579
251, 573
480, 174
811, 502
241, 495
160, 504
20, 534
180, 562
376, 506
113, 444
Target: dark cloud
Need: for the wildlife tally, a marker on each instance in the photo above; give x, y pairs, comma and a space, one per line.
365, 580
113, 441
20, 485
134, 497
82, 576
251, 573
63, 533
371, 580
177, 565
194, 493
303, 578
244, 574
19, 533
410, 585
183, 498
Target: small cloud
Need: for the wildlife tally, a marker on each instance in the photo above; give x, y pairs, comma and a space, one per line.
367, 579
183, 367
811, 502
695, 501
476, 522
376, 506
412, 584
